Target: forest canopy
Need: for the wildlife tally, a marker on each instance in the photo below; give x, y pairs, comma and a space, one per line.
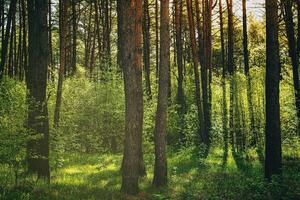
149, 99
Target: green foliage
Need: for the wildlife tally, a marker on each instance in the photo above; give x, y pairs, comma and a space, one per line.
13, 134
92, 115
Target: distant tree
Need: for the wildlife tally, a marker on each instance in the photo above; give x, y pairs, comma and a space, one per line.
273, 131
63, 23
74, 36
202, 136
146, 46
179, 53
292, 44
6, 35
224, 73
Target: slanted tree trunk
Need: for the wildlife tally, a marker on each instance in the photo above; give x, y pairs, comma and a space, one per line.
38, 122
292, 43
160, 132
146, 46
273, 131
203, 137
63, 22
132, 68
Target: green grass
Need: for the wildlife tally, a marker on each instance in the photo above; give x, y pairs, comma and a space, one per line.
98, 177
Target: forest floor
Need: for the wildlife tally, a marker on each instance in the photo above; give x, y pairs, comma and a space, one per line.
98, 177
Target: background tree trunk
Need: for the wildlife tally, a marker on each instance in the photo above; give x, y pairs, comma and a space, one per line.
203, 136
4, 48
63, 22
292, 44
146, 46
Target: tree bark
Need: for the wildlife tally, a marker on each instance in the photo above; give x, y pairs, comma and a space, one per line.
160, 167
132, 68
273, 160
38, 122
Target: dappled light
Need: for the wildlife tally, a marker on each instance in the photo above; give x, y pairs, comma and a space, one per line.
149, 99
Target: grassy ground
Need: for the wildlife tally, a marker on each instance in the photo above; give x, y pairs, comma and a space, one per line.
98, 177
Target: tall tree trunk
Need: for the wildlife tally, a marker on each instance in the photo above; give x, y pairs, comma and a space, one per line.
179, 55
179, 58
38, 122
203, 136
74, 37
298, 34
205, 77
51, 67
63, 22
290, 31
10, 66
132, 67
156, 39
224, 96
247, 74
4, 48
146, 46
119, 43
24, 44
231, 69
273, 131
160, 132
